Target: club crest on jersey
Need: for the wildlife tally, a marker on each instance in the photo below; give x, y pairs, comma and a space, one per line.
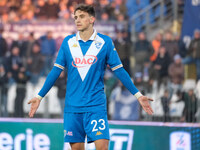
98, 45
85, 61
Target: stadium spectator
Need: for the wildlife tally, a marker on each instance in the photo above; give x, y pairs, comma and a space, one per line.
52, 9
165, 100
40, 10
61, 85
194, 52
146, 77
26, 9
3, 45
104, 17
122, 24
123, 48
190, 106
119, 7
160, 67
14, 5
3, 7
48, 49
21, 80
4, 79
181, 46
156, 42
64, 12
35, 63
89, 2
102, 6
110, 82
30, 42
170, 45
14, 62
21, 43
176, 74
142, 51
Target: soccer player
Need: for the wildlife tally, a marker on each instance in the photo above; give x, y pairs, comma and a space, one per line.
86, 55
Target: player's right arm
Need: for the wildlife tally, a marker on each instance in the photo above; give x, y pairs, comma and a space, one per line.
50, 80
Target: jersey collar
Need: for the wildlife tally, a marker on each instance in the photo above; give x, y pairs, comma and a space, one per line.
92, 38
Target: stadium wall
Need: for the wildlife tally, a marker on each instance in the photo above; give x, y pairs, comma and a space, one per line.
47, 134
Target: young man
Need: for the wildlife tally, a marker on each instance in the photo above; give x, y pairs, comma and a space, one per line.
86, 55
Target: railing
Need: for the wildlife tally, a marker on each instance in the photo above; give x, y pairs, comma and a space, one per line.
160, 14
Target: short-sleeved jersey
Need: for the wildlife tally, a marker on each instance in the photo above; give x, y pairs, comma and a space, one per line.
86, 62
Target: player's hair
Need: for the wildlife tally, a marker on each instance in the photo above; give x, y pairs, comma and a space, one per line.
86, 8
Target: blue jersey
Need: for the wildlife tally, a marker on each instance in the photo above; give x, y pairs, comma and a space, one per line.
86, 62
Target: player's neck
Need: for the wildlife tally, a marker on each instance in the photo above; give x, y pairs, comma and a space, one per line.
86, 34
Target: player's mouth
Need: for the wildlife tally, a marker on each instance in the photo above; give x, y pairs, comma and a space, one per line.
78, 25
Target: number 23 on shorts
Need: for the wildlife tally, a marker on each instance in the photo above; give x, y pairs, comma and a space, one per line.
98, 125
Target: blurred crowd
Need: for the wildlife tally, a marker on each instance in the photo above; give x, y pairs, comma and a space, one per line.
164, 68
30, 10
159, 67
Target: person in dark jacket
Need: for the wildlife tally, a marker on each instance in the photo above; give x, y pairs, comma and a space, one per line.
21, 80
142, 51
160, 67
194, 52
123, 48
35, 63
48, 49
165, 100
171, 45
61, 85
3, 45
4, 78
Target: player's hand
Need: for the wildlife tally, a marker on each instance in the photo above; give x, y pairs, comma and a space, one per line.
144, 102
35, 102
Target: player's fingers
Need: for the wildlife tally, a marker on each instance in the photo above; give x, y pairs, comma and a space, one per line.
29, 102
31, 113
150, 99
149, 110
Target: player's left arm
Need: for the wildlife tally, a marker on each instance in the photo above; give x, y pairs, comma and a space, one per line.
124, 77
115, 64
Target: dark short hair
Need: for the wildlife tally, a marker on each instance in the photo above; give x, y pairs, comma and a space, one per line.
86, 8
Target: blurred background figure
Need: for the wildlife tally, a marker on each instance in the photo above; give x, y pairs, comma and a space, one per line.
165, 100
4, 78
3, 45
160, 68
170, 44
190, 109
125, 105
35, 64
194, 52
48, 50
176, 74
123, 47
21, 80
142, 51
61, 85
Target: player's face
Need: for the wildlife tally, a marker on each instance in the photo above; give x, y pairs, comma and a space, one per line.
83, 20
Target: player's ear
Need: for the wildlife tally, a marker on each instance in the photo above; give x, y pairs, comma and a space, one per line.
92, 19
